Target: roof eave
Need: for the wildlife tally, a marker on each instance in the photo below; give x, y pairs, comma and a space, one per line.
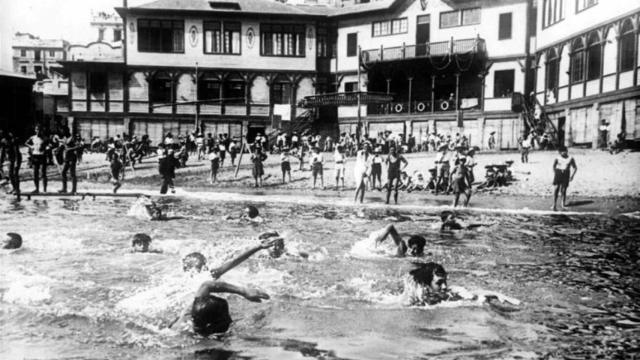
140, 11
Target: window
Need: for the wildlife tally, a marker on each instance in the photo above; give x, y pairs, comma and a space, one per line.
503, 83
323, 49
553, 69
351, 87
161, 90
23, 52
352, 44
37, 55
459, 18
100, 34
37, 69
23, 69
97, 83
585, 4
234, 91
504, 31
52, 53
594, 55
208, 89
577, 61
221, 38
117, 34
390, 27
627, 44
282, 40
164, 36
281, 93
552, 12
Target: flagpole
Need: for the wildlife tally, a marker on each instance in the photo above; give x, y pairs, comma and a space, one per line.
358, 128
197, 105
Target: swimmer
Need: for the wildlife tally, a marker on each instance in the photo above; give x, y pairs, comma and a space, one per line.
250, 213
415, 245
278, 250
208, 313
194, 262
451, 222
12, 241
140, 242
426, 285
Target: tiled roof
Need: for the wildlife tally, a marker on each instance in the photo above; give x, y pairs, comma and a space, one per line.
264, 7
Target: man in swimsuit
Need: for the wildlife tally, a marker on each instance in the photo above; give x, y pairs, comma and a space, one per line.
208, 313
11, 149
562, 175
38, 145
460, 182
70, 158
415, 245
393, 172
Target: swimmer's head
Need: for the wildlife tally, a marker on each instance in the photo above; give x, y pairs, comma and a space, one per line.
12, 241
430, 275
210, 315
446, 215
251, 211
140, 242
416, 245
194, 262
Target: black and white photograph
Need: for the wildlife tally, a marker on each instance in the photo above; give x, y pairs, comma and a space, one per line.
319, 179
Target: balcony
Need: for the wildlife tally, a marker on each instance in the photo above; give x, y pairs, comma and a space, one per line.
433, 49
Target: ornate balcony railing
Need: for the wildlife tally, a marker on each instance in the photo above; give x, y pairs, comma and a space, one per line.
433, 49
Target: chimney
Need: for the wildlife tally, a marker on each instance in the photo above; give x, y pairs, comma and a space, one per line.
124, 4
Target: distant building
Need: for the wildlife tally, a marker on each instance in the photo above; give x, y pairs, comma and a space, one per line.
33, 56
108, 27
587, 67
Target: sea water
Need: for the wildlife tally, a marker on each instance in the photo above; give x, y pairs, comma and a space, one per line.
561, 284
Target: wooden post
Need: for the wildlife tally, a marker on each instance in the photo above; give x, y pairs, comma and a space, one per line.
244, 143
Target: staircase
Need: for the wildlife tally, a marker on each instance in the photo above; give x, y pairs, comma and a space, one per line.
299, 125
537, 126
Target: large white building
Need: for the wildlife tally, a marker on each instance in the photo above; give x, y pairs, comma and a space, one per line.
587, 67
242, 66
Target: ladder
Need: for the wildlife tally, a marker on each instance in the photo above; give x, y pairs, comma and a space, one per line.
538, 126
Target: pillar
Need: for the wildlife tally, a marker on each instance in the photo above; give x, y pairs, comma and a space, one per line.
433, 93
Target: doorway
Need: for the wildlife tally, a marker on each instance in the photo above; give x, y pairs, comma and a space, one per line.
561, 124
423, 33
252, 131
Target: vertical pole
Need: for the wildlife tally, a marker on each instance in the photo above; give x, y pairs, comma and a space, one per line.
197, 124
433, 93
387, 106
410, 86
358, 127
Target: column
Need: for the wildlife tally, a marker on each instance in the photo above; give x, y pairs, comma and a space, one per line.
410, 88
433, 93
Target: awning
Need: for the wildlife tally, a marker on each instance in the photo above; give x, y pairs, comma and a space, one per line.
341, 99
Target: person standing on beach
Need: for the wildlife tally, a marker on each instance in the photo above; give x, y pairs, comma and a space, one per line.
317, 163
339, 160
38, 146
70, 159
394, 160
11, 149
460, 182
117, 172
525, 147
167, 168
376, 168
562, 175
285, 163
360, 171
214, 158
258, 168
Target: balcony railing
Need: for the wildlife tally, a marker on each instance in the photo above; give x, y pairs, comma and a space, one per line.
437, 49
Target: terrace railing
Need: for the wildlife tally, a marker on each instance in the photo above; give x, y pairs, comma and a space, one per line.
433, 49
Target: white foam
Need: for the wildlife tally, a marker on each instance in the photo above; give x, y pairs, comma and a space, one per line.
368, 249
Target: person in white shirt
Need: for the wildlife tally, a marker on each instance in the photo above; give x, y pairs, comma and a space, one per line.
525, 148
360, 172
285, 164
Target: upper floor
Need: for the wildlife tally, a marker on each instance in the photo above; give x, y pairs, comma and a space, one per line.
108, 27
560, 20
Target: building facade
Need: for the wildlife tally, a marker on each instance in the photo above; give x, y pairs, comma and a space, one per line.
241, 67
108, 27
33, 56
587, 68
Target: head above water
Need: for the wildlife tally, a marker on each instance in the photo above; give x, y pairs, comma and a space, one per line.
140, 242
416, 245
210, 315
447, 215
251, 211
194, 262
430, 275
12, 241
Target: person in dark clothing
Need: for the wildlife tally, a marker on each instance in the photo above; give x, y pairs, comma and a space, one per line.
257, 158
167, 168
11, 151
394, 160
70, 159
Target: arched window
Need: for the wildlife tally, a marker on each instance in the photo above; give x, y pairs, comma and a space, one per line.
553, 65
594, 56
627, 46
577, 61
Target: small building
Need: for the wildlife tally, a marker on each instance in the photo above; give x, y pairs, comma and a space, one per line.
33, 56
587, 63
108, 27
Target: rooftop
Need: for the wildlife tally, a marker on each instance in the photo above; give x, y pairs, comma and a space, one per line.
29, 40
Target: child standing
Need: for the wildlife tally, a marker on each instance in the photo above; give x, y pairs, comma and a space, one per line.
258, 168
214, 158
285, 163
117, 171
562, 168
317, 161
233, 151
460, 183
339, 159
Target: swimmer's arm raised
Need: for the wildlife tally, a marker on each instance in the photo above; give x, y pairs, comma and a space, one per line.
397, 239
219, 271
212, 286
